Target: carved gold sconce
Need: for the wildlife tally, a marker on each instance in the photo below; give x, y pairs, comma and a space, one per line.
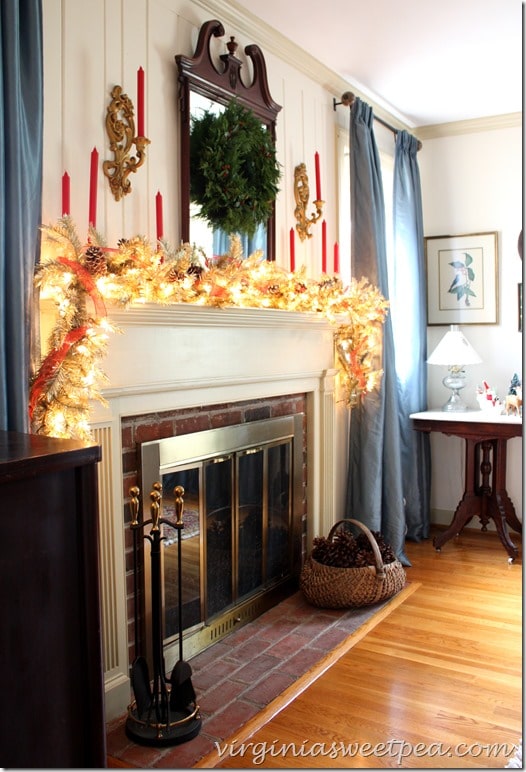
301, 194
120, 127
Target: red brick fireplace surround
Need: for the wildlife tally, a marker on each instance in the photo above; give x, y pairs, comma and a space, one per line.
156, 426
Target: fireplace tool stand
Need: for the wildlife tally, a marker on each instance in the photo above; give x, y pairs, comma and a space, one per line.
158, 716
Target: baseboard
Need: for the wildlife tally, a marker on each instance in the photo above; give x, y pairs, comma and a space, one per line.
117, 696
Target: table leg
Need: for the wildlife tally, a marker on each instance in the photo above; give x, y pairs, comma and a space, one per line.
484, 489
499, 487
501, 508
469, 504
497, 508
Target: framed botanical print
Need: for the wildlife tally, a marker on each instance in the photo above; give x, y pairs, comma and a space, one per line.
462, 279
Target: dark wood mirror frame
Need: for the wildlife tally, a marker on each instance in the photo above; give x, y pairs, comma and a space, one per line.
199, 74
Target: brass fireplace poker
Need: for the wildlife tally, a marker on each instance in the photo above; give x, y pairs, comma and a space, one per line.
302, 194
120, 127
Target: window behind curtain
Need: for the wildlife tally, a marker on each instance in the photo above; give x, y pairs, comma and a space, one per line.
386, 148
385, 140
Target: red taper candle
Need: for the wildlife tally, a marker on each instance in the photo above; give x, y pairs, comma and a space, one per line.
65, 194
140, 102
336, 258
292, 251
323, 247
159, 215
94, 168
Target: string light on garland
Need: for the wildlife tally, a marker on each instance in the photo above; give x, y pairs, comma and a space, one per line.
82, 278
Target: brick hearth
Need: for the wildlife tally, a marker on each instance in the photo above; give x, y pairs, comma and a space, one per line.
238, 677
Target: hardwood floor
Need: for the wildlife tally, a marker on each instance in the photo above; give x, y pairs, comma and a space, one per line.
434, 685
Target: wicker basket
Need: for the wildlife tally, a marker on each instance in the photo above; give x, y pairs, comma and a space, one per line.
333, 587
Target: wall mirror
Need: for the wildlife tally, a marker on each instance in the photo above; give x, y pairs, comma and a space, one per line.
205, 87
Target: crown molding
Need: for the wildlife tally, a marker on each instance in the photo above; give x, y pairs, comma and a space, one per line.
472, 126
257, 31
270, 40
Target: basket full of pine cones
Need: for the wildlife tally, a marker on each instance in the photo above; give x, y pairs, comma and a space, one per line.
346, 571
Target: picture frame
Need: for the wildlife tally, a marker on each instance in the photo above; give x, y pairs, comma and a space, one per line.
519, 288
462, 279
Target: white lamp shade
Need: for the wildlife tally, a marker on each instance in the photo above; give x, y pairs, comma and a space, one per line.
454, 349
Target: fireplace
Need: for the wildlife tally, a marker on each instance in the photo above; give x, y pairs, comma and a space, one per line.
164, 372
243, 512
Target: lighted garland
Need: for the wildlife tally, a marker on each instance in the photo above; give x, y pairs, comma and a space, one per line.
234, 173
82, 278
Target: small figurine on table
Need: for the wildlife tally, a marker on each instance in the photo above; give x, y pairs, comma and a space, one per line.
487, 397
514, 397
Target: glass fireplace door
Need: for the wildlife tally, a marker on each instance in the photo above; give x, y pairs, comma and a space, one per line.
191, 557
279, 512
249, 521
219, 508
239, 537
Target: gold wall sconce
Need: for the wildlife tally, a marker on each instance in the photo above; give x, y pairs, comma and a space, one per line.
120, 127
301, 195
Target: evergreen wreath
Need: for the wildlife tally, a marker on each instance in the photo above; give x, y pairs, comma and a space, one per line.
234, 173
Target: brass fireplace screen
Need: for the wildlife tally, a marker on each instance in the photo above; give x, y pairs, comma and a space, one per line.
241, 541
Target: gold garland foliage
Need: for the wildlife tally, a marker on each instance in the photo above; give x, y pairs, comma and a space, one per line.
82, 277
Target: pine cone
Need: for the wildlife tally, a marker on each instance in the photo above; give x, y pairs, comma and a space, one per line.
339, 552
346, 551
195, 269
95, 261
175, 274
182, 268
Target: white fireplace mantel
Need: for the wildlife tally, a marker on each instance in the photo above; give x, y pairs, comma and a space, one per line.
183, 355
188, 347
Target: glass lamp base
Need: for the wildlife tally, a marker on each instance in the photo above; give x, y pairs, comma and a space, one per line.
455, 404
455, 381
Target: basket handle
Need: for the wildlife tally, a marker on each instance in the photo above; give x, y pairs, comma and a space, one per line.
380, 568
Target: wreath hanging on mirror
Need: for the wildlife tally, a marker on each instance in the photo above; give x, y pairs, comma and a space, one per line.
234, 173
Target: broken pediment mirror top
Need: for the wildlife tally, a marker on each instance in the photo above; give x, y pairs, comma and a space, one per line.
202, 86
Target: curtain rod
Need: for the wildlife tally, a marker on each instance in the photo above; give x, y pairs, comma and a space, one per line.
348, 98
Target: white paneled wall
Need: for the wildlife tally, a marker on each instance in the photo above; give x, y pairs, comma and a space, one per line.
92, 46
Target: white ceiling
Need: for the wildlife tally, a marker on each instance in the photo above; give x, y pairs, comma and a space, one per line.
425, 61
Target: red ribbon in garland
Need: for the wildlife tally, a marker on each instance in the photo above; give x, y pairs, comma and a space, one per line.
87, 282
50, 365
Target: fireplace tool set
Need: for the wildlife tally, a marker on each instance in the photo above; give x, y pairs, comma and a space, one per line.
160, 715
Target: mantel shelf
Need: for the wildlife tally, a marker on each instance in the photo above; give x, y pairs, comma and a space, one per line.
194, 315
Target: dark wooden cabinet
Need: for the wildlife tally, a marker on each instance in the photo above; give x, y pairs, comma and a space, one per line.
51, 673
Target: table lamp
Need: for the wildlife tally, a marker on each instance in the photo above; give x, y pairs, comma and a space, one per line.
455, 351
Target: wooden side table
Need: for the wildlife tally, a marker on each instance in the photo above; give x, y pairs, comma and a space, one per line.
485, 492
